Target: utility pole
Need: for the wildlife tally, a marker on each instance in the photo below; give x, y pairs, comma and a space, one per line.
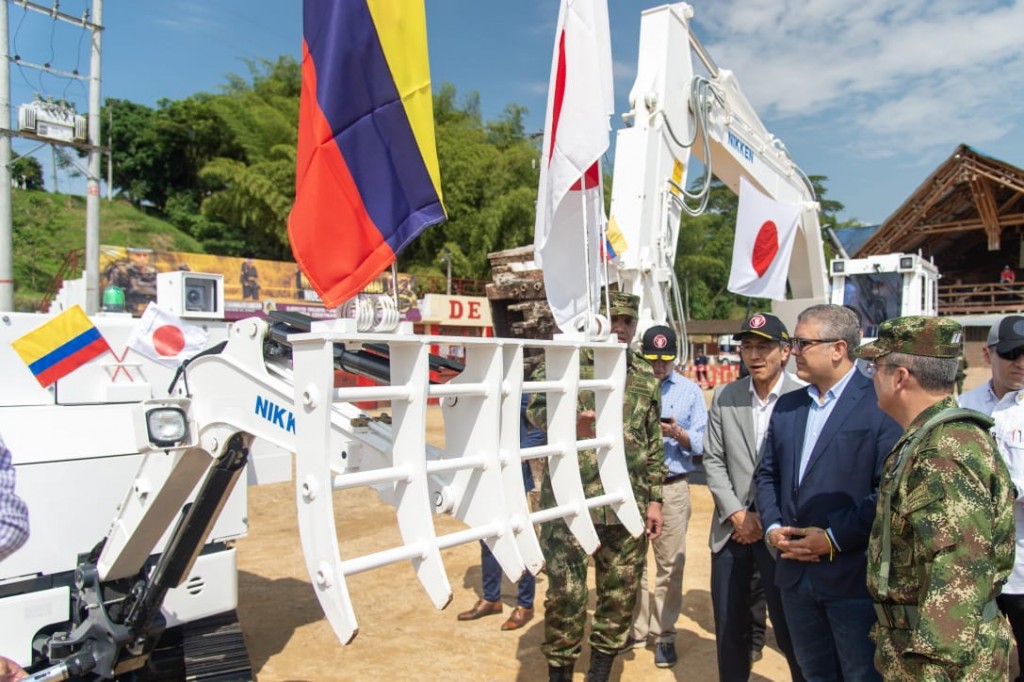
110, 154
6, 221
7, 131
92, 187
446, 257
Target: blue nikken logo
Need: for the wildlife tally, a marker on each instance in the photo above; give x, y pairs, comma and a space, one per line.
275, 414
740, 146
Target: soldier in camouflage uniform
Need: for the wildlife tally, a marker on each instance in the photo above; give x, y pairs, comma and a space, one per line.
943, 538
618, 562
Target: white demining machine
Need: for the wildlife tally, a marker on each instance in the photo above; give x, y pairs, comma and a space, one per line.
162, 455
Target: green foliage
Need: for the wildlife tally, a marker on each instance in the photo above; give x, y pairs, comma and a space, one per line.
27, 173
221, 167
158, 153
488, 183
47, 227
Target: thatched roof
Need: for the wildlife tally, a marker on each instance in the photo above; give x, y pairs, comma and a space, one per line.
967, 215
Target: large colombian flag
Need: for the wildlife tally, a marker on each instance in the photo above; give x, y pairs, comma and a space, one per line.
60, 346
367, 178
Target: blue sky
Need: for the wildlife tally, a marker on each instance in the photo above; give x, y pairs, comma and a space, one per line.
873, 94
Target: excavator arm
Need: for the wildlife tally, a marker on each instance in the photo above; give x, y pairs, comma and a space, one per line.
676, 116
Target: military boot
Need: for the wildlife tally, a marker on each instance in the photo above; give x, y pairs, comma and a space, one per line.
600, 666
560, 674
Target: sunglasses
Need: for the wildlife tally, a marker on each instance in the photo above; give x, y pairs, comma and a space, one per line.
663, 358
799, 344
1010, 355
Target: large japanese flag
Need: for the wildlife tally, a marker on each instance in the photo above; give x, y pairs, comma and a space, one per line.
765, 232
569, 200
166, 338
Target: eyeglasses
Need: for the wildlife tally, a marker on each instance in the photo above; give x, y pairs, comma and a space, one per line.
1010, 355
663, 358
870, 369
799, 344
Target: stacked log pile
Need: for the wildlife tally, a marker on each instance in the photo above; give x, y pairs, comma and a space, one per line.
519, 307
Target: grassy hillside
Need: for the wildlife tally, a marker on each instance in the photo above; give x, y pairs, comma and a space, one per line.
47, 227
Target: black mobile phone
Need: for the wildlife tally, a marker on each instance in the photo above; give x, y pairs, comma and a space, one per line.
666, 420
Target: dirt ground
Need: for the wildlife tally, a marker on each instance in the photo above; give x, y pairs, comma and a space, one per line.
401, 634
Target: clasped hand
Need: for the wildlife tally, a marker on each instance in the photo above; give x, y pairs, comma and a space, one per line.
801, 544
746, 527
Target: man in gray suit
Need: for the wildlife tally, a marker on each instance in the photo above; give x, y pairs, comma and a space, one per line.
737, 425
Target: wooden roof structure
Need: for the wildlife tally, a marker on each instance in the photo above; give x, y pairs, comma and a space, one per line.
967, 216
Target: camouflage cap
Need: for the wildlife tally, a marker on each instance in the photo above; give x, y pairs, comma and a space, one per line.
937, 337
624, 304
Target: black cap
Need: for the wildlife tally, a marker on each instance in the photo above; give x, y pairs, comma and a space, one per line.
659, 343
1007, 334
764, 325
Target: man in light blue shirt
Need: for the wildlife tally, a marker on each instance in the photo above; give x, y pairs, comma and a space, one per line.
817, 488
684, 417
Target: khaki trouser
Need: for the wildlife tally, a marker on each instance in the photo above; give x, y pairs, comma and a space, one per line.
657, 612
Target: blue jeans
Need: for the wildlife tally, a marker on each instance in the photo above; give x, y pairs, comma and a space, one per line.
830, 634
492, 580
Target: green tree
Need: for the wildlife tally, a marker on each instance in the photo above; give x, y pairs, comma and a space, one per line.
27, 173
489, 187
253, 195
159, 153
129, 132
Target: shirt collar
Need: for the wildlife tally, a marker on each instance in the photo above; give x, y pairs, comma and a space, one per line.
776, 389
836, 390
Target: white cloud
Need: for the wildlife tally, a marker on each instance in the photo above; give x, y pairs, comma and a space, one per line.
896, 77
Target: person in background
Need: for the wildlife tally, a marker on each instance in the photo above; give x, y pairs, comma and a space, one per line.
700, 368
250, 280
529, 436
13, 512
817, 486
737, 427
1002, 399
942, 540
618, 562
13, 534
1007, 276
684, 417
961, 373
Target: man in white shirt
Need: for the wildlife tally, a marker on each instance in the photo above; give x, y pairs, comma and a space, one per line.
1002, 399
740, 412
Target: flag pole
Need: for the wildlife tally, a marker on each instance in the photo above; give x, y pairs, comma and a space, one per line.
586, 260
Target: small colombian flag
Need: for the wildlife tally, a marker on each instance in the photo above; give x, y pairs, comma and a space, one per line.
60, 346
614, 240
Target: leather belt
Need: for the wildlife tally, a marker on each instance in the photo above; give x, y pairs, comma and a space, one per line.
676, 477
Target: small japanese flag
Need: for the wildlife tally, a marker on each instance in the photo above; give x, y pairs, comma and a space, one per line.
165, 338
765, 233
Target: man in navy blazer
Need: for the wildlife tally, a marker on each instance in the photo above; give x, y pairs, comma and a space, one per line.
817, 485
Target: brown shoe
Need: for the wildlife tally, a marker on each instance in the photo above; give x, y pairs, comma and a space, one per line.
480, 609
520, 617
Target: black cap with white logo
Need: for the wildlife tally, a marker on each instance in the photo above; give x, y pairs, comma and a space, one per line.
764, 325
659, 343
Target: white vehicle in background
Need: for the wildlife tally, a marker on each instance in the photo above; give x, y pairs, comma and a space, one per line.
728, 351
886, 286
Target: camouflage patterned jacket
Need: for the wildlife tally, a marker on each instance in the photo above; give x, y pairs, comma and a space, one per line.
952, 546
645, 450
